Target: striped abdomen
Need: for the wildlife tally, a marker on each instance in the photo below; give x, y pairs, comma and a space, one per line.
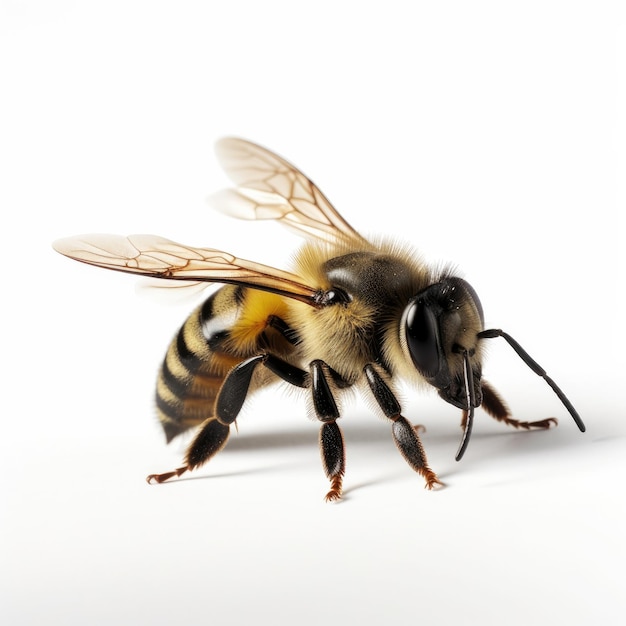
227, 328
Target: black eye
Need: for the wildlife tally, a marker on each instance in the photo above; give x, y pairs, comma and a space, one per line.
422, 335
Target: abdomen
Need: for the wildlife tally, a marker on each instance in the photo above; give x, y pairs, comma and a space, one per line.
228, 327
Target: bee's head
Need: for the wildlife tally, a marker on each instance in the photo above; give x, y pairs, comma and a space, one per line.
440, 326
443, 328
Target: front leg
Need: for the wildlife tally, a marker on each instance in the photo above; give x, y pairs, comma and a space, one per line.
404, 434
495, 406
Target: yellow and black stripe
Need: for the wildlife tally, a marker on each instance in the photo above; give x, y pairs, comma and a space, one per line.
231, 325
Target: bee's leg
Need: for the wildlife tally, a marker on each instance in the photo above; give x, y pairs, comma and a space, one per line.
404, 434
495, 406
331, 439
214, 432
207, 443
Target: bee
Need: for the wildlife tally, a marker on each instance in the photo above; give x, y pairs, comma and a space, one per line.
354, 313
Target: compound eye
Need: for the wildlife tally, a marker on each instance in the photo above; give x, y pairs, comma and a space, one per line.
422, 335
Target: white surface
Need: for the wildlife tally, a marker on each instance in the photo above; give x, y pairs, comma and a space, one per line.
488, 136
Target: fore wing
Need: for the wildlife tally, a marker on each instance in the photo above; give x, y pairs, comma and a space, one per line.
156, 257
270, 188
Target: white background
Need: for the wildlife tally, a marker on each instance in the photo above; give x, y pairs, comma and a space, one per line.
488, 134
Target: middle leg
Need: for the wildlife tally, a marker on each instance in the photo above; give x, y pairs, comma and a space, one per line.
331, 438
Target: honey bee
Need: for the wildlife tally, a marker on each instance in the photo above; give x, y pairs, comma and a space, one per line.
354, 313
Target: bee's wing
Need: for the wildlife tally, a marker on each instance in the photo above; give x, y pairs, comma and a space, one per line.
270, 188
156, 257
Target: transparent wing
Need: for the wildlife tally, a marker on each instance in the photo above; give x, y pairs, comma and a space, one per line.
170, 291
270, 188
156, 257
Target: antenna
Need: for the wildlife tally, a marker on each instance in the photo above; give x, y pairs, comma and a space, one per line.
535, 367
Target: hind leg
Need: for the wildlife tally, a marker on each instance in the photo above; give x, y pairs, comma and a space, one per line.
207, 443
214, 432
495, 406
